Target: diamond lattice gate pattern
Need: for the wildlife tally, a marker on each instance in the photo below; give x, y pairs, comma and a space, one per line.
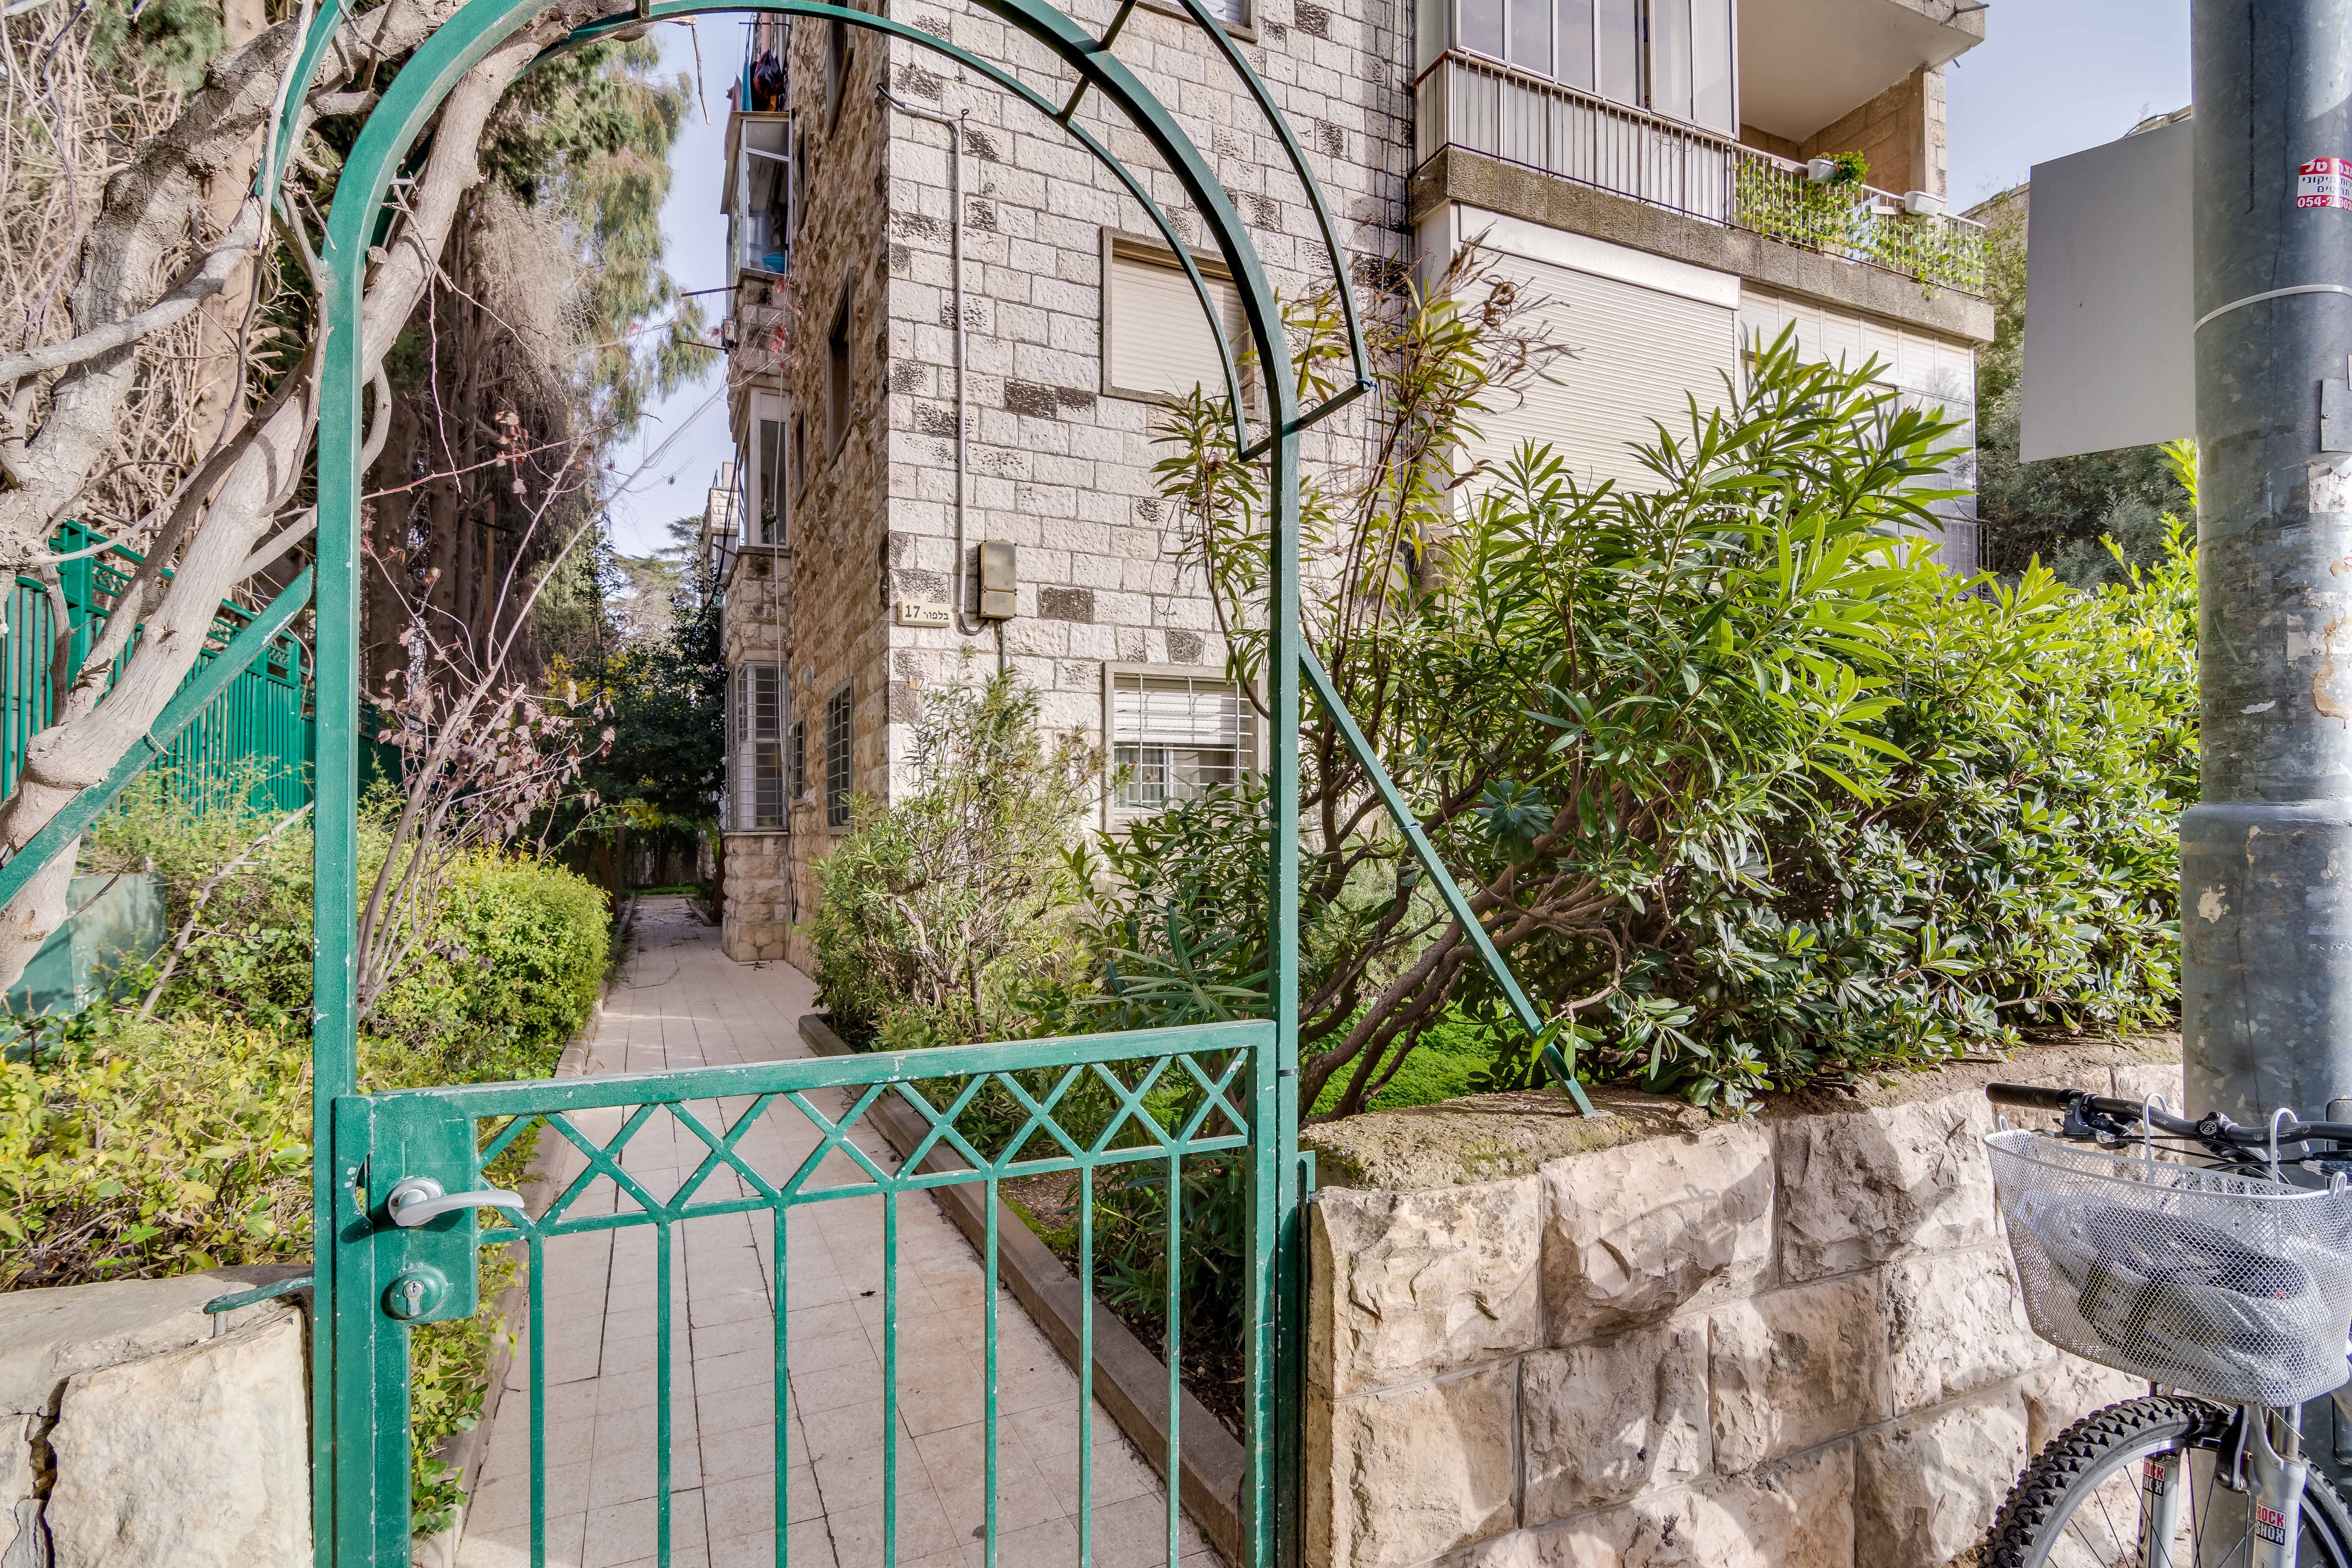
683, 1006
1126, 1119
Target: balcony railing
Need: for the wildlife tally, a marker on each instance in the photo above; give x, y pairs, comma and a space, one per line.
1485, 107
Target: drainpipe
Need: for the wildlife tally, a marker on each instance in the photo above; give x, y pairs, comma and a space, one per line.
2266, 856
966, 624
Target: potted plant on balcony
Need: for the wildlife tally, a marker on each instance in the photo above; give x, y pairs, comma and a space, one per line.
1849, 168
1817, 210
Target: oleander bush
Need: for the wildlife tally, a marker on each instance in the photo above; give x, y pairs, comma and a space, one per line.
1749, 790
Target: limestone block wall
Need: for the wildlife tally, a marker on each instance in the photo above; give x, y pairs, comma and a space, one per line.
1790, 1341
1059, 463
760, 897
838, 535
134, 1427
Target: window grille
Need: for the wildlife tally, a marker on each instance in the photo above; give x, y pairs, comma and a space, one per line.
800, 758
757, 761
1176, 737
837, 759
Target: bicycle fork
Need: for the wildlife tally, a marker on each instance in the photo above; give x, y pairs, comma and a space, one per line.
2273, 1487
2267, 1485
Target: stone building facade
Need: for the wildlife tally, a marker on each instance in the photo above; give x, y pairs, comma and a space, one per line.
848, 207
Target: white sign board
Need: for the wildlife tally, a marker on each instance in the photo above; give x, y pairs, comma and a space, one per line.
2109, 297
925, 612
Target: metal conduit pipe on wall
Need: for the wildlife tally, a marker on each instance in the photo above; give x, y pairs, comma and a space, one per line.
965, 622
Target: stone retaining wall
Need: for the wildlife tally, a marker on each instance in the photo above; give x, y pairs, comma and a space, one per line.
140, 1429
1790, 1341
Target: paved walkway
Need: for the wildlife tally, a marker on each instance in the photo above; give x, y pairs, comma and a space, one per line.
680, 1004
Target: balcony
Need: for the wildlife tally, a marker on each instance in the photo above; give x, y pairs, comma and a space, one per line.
1483, 106
761, 156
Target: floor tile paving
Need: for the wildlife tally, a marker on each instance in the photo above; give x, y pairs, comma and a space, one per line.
680, 1004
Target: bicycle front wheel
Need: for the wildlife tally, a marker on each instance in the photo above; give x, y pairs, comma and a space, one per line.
2092, 1498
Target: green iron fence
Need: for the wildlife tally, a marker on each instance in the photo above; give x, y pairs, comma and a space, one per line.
262, 721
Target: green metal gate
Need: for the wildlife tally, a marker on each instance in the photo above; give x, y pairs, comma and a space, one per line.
400, 1176
389, 1161
1174, 1097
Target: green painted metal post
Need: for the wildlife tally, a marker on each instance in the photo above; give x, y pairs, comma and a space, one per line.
343, 1329
1276, 1503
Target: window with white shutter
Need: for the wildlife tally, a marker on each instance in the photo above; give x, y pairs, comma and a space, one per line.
1175, 736
1156, 342
756, 760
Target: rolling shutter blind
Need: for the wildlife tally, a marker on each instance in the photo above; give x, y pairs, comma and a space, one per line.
1159, 341
1176, 736
1637, 353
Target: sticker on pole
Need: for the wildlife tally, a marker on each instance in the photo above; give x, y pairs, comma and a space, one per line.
2324, 182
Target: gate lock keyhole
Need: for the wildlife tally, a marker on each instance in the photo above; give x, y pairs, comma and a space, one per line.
415, 1291
436, 1277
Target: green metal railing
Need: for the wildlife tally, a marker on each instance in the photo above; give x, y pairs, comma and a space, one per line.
261, 720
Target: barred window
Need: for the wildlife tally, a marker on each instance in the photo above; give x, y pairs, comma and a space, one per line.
756, 775
837, 759
1175, 737
800, 758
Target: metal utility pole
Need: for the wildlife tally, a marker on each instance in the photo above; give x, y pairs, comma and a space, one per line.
2266, 856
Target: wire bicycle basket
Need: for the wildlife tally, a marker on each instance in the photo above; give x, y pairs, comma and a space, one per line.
2213, 1282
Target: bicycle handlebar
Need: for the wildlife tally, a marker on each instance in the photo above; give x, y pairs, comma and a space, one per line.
2212, 1129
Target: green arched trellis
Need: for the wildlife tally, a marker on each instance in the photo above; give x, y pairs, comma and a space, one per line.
360, 1379
373, 1277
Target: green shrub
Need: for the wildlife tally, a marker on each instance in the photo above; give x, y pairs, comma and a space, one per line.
524, 950
941, 908
154, 1147
135, 1146
1751, 792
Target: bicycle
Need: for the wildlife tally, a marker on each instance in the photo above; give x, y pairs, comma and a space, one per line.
2179, 1251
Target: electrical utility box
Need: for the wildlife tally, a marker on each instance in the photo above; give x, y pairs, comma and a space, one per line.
998, 579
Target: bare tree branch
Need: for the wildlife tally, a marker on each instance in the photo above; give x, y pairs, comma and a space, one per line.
208, 278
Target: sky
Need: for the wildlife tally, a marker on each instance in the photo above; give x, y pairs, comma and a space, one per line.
677, 450
2053, 76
